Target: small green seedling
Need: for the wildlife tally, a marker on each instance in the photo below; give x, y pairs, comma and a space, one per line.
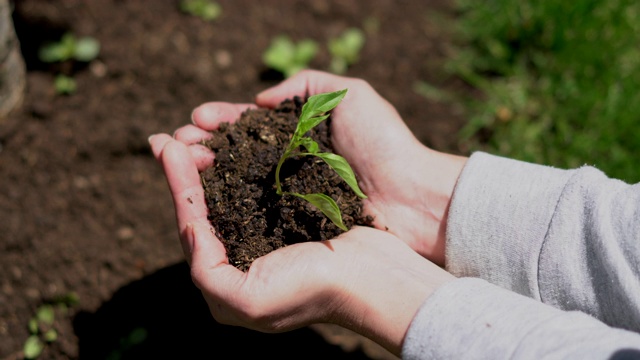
70, 48
288, 57
313, 113
136, 337
205, 9
42, 332
65, 85
41, 325
345, 50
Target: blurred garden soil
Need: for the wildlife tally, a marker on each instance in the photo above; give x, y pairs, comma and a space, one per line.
85, 209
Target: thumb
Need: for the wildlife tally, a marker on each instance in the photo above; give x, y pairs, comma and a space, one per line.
201, 246
304, 83
210, 268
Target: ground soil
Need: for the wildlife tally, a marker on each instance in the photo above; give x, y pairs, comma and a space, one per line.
85, 209
247, 213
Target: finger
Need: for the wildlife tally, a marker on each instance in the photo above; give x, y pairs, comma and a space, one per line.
210, 115
202, 155
306, 82
157, 142
191, 134
211, 272
184, 183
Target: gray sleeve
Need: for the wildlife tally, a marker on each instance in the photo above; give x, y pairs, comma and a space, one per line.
567, 238
472, 319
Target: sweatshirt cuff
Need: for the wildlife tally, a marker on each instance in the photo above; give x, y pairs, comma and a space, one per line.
469, 319
498, 220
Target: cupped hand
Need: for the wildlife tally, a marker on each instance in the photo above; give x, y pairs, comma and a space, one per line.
366, 280
408, 185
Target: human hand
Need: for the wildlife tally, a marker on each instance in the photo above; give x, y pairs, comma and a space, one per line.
408, 185
375, 293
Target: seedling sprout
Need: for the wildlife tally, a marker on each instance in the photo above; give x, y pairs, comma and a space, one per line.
313, 113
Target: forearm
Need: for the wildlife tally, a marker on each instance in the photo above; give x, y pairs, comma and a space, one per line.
472, 319
564, 237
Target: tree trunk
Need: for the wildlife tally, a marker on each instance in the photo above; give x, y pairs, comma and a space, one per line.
12, 68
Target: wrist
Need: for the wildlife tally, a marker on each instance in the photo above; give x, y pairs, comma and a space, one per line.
441, 173
426, 192
383, 300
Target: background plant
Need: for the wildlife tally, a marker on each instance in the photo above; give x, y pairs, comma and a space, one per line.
69, 47
345, 49
41, 325
289, 57
559, 80
134, 338
314, 111
65, 85
204, 9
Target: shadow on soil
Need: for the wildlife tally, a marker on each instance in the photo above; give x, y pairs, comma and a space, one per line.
164, 316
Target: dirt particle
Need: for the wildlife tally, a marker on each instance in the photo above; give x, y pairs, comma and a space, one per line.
125, 233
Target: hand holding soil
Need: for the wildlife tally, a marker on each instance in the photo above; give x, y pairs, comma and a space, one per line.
408, 185
366, 280
335, 280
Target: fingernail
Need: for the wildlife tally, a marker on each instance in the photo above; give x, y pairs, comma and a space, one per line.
150, 137
193, 120
208, 113
263, 93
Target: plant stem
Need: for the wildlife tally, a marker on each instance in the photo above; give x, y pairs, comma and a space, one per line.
278, 187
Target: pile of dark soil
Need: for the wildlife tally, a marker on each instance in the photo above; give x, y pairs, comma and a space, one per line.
250, 218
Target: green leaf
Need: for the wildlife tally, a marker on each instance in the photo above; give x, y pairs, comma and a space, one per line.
280, 54
69, 299
305, 51
348, 45
65, 84
137, 336
86, 49
308, 124
327, 205
315, 106
51, 335
33, 347
321, 103
205, 9
54, 52
338, 65
288, 57
33, 326
45, 314
309, 144
342, 167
